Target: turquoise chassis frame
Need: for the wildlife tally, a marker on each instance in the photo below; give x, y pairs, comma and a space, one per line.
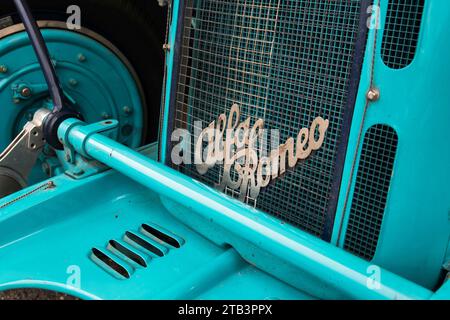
230, 250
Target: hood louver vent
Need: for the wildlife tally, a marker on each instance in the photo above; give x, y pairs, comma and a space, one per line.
122, 258
110, 264
121, 250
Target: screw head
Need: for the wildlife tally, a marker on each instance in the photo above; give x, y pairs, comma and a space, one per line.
3, 69
25, 92
373, 94
127, 110
73, 82
81, 57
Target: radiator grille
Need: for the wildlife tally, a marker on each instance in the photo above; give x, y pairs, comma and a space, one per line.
287, 62
371, 190
401, 33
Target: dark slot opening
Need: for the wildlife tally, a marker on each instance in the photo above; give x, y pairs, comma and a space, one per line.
401, 34
161, 236
111, 263
144, 243
128, 253
373, 180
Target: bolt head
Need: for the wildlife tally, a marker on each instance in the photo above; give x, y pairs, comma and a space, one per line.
3, 69
25, 92
127, 110
73, 82
373, 94
81, 57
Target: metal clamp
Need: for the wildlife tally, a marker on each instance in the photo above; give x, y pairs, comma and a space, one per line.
78, 164
83, 130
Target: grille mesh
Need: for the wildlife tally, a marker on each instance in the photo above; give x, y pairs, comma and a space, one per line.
401, 33
371, 190
286, 61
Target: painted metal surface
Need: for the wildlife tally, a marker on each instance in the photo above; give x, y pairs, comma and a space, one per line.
45, 246
415, 102
330, 271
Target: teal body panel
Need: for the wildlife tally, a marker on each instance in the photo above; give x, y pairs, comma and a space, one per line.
302, 260
415, 102
170, 77
48, 236
443, 293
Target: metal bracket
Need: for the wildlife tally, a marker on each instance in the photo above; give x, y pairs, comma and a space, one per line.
17, 160
80, 165
87, 131
23, 91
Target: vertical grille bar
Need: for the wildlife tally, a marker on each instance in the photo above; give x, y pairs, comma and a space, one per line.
371, 191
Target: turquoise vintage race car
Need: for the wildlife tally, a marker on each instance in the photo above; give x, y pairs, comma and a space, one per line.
299, 150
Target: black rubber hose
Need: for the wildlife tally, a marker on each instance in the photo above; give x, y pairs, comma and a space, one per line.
42, 54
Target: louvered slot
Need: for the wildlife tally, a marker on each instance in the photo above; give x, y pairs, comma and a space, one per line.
117, 247
135, 250
143, 243
109, 264
162, 236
